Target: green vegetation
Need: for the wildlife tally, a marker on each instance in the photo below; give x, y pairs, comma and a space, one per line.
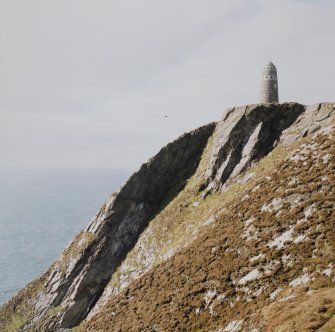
80, 243
17, 322
75, 329
54, 311
17, 312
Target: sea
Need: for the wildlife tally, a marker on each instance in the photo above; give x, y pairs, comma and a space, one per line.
40, 212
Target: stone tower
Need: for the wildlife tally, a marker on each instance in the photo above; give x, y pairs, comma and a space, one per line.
269, 88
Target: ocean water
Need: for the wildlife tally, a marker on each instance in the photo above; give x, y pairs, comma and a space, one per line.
40, 212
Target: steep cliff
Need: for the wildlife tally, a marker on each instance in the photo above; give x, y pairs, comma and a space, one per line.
216, 232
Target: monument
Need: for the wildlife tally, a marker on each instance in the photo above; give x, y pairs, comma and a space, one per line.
269, 87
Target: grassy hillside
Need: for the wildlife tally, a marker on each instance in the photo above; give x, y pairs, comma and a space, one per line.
234, 236
263, 245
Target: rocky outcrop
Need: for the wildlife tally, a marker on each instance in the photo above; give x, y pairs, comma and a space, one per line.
315, 118
76, 282
243, 137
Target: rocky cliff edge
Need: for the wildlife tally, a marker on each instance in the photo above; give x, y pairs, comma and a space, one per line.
161, 212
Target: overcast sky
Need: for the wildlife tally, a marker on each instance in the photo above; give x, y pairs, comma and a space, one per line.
89, 83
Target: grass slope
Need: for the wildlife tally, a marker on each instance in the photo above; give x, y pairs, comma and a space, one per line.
271, 239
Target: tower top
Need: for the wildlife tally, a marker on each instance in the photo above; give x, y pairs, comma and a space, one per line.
270, 65
269, 86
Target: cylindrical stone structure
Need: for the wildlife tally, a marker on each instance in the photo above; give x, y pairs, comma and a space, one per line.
269, 88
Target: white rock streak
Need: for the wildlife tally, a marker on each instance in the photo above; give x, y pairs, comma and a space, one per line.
252, 275
303, 280
233, 326
280, 240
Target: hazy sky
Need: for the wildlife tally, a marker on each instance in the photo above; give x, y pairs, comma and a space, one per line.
88, 83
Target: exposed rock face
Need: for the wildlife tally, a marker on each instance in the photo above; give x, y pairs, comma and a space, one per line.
116, 228
243, 137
